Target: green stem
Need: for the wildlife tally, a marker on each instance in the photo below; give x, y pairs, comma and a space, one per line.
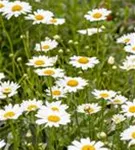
15, 135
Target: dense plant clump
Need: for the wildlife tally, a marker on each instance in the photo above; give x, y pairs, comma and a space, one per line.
67, 75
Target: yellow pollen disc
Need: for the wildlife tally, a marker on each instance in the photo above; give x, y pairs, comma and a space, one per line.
117, 101
133, 135
126, 40
133, 48
97, 15
7, 90
72, 83
31, 107
16, 8
45, 47
88, 110
54, 118
88, 147
53, 20
83, 60
1, 5
55, 108
132, 109
39, 62
9, 114
49, 72
56, 92
104, 95
39, 17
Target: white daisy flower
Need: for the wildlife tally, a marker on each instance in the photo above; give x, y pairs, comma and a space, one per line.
2, 143
129, 63
129, 135
88, 108
83, 62
118, 100
2, 76
56, 92
55, 106
129, 108
40, 16
56, 21
52, 118
72, 84
90, 31
126, 39
131, 46
16, 8
31, 105
118, 118
55, 73
10, 112
105, 94
3, 4
86, 144
97, 14
42, 61
8, 89
46, 45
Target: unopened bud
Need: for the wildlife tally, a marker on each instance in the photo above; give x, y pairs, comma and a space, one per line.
111, 60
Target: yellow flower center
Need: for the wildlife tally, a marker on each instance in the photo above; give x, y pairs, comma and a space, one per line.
97, 15
132, 109
7, 90
117, 101
83, 60
133, 48
104, 95
9, 114
53, 20
126, 40
88, 109
133, 135
39, 62
72, 83
49, 72
32, 107
45, 47
56, 92
1, 5
16, 8
39, 17
55, 108
54, 118
88, 147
